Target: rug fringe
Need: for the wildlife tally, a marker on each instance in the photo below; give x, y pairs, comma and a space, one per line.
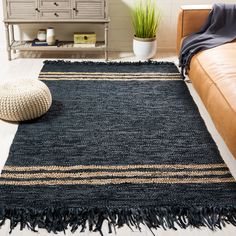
148, 62
59, 219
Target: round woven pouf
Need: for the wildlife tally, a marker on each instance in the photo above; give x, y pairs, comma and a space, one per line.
24, 100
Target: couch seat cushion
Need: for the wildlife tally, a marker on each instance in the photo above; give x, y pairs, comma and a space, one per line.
220, 65
213, 74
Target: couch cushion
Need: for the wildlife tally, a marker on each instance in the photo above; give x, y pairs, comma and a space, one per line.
220, 65
213, 74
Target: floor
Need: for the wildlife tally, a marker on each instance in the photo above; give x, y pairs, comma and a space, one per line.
29, 67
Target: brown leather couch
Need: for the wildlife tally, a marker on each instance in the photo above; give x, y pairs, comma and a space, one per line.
213, 74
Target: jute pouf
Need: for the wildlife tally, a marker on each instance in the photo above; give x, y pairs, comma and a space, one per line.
24, 100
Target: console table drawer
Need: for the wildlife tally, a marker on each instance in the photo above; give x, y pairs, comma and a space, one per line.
93, 9
21, 9
55, 15
54, 4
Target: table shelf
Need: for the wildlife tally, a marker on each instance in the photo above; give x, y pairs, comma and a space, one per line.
62, 46
14, 45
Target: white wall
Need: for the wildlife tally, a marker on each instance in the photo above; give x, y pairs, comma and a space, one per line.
121, 32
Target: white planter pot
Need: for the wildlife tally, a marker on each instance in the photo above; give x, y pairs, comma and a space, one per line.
144, 48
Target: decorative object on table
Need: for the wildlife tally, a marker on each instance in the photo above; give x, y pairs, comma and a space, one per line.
83, 37
24, 100
146, 19
51, 38
36, 43
42, 35
123, 143
85, 40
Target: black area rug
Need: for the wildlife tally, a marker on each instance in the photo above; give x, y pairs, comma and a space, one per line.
123, 143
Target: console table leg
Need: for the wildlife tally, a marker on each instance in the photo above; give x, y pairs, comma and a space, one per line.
13, 36
106, 55
106, 42
8, 41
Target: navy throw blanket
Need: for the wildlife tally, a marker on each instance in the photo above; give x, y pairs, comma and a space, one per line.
220, 28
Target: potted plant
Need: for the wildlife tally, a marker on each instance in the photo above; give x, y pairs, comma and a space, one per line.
146, 21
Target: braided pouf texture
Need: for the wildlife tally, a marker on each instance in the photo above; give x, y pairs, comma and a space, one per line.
22, 100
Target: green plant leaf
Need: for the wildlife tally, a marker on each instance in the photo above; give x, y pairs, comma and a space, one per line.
146, 18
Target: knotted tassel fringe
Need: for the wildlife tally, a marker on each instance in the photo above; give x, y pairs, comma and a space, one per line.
148, 62
60, 219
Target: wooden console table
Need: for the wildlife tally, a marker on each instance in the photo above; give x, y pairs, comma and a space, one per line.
54, 11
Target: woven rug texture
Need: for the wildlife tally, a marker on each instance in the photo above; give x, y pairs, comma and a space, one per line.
122, 144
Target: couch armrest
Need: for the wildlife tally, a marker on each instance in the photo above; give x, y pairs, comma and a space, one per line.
191, 19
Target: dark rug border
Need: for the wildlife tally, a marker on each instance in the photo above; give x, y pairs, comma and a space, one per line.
59, 219
148, 62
